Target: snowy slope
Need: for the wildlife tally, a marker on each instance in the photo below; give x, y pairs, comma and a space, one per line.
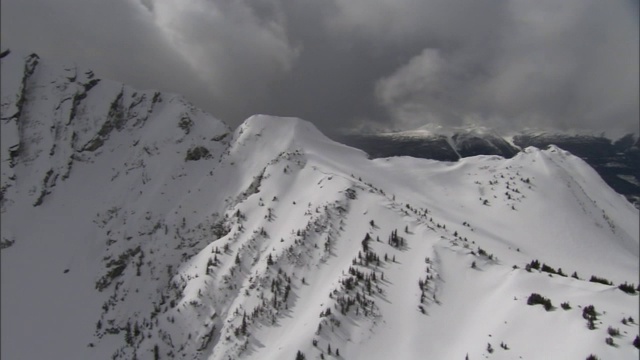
136, 226
617, 162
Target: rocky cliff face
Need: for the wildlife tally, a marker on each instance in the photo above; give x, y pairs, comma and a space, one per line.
54, 118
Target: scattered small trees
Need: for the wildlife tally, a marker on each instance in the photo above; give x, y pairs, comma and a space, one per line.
589, 313
210, 263
243, 327
548, 269
535, 299
365, 243
628, 288
600, 280
613, 331
197, 153
534, 264
395, 240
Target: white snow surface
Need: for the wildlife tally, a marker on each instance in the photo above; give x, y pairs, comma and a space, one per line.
135, 225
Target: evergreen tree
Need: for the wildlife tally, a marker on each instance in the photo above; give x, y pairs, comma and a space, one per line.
489, 348
209, 264
244, 324
127, 334
365, 243
628, 288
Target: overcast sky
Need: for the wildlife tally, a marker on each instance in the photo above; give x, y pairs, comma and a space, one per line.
368, 64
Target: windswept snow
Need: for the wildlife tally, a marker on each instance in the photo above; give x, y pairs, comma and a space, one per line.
135, 225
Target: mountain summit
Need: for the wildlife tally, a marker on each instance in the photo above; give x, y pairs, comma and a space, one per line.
135, 225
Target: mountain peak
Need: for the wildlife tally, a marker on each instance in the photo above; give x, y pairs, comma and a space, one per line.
275, 135
287, 128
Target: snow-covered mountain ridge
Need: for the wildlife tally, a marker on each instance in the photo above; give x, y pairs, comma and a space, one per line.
136, 226
617, 162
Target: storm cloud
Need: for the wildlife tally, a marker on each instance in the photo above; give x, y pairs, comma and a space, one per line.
566, 64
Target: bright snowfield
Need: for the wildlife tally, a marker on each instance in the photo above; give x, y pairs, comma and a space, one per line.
136, 226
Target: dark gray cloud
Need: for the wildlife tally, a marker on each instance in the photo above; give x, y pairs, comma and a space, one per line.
569, 64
